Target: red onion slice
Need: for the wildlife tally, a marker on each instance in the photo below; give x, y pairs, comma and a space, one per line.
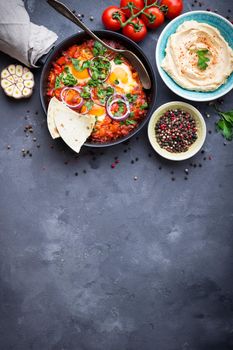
62, 95
110, 103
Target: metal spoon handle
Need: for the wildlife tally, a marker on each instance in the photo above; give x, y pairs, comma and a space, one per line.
65, 11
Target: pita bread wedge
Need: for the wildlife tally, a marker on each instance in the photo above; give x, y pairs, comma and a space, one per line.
54, 106
74, 128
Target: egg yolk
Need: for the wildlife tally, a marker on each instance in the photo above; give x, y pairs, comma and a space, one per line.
118, 74
97, 110
79, 75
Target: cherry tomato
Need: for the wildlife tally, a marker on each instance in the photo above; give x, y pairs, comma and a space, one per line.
150, 2
136, 31
156, 17
111, 16
175, 7
136, 5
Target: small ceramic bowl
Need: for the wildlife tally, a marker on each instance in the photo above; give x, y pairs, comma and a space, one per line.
226, 30
201, 130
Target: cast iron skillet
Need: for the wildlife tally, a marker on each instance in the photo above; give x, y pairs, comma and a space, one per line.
105, 34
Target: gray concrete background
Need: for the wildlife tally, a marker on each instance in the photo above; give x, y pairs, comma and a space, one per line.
100, 261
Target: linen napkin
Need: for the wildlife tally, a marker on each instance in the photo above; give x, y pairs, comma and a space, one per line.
19, 37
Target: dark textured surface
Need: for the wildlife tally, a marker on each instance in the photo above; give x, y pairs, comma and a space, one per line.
100, 261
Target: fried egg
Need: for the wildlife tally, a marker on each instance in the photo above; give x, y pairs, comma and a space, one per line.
82, 76
121, 77
98, 111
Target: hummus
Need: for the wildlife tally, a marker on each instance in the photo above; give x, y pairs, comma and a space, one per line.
182, 60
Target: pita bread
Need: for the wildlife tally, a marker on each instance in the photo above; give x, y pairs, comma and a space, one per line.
74, 128
54, 106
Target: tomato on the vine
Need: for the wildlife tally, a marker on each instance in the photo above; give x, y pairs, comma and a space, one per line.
136, 6
112, 18
175, 7
135, 30
152, 17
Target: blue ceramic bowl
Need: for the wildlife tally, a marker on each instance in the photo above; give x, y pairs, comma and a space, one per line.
225, 28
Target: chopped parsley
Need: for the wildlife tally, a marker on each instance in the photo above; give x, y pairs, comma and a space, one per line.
85, 92
89, 104
78, 67
116, 81
121, 109
93, 83
130, 122
58, 81
144, 106
118, 59
225, 124
203, 59
99, 49
131, 98
104, 93
68, 79
99, 68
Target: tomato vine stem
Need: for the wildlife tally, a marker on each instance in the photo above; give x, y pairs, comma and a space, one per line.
131, 6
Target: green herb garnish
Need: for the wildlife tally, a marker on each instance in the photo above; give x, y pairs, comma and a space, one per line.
93, 83
225, 124
144, 106
121, 109
78, 67
116, 81
68, 79
99, 49
109, 91
118, 59
85, 92
202, 59
89, 104
58, 81
131, 114
103, 93
99, 68
130, 122
131, 98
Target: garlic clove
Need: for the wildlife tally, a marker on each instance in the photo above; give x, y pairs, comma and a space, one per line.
9, 90
29, 83
11, 79
5, 83
28, 76
27, 92
20, 86
17, 93
5, 73
15, 77
11, 69
19, 70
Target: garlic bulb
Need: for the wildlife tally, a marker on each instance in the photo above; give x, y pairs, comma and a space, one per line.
17, 81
